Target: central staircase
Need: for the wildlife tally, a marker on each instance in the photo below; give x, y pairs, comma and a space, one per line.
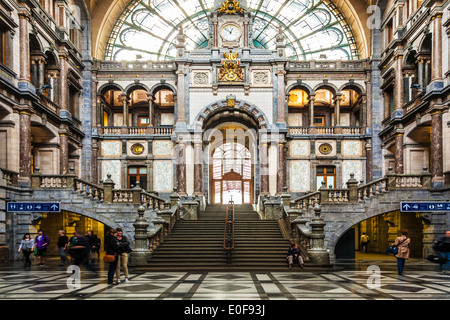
197, 245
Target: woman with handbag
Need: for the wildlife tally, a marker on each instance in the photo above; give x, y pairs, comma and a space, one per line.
112, 250
26, 246
402, 243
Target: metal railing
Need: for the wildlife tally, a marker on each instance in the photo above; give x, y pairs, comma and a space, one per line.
228, 238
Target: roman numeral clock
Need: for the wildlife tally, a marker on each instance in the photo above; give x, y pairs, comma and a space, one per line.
231, 25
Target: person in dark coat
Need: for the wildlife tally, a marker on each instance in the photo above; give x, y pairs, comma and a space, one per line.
94, 245
443, 247
80, 251
112, 248
294, 253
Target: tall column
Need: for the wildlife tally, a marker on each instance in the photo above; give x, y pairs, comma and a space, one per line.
436, 59
281, 172
398, 83
125, 109
150, 109
54, 83
24, 45
264, 168
25, 147
63, 88
281, 97
198, 167
337, 111
421, 73
181, 108
64, 150
436, 146
399, 153
181, 167
312, 97
94, 99
94, 162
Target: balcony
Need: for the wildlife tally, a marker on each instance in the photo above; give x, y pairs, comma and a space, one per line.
136, 131
327, 130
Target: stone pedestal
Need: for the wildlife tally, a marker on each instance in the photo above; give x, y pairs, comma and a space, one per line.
140, 253
318, 255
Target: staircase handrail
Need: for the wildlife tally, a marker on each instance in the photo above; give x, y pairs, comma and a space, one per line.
228, 238
308, 200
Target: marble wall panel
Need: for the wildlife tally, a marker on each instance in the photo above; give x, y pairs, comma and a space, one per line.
162, 148
111, 148
299, 176
300, 148
351, 148
349, 167
113, 168
162, 176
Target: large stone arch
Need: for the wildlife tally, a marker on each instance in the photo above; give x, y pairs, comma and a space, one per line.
239, 105
303, 86
109, 86
353, 86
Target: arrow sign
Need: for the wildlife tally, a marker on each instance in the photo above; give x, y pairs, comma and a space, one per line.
424, 206
33, 207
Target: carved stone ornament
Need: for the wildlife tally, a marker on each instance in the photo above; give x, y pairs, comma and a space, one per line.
325, 148
231, 71
260, 77
201, 78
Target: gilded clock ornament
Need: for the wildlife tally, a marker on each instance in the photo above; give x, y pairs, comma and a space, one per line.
230, 32
230, 7
325, 148
137, 148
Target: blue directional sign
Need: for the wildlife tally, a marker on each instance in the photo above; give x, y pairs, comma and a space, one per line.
33, 207
424, 206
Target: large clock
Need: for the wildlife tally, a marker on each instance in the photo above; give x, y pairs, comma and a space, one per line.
230, 32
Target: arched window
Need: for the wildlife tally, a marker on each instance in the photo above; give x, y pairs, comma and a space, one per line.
313, 29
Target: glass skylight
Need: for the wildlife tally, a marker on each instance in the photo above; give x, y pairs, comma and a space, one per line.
313, 29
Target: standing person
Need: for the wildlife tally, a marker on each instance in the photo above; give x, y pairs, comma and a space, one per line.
26, 246
402, 242
112, 249
94, 245
294, 253
80, 251
443, 247
124, 250
41, 243
364, 242
63, 241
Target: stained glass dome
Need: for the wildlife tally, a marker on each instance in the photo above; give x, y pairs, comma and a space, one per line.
313, 29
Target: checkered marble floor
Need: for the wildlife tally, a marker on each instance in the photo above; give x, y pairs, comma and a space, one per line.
42, 282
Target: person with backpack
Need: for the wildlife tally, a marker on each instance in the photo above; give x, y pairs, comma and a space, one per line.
442, 246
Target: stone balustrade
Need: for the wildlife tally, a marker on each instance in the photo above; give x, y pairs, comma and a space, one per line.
116, 131
8, 177
326, 130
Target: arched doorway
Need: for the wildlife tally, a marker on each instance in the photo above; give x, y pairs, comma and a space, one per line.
232, 174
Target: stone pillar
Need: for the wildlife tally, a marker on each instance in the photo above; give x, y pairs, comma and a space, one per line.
337, 111
181, 108
398, 83
94, 161
399, 153
24, 45
312, 97
140, 252
281, 172
64, 151
25, 148
63, 88
281, 97
264, 167
54, 83
198, 167
181, 167
368, 162
437, 171
125, 109
318, 255
246, 33
150, 109
95, 112
436, 59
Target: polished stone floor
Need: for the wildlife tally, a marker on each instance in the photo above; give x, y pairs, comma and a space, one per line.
354, 280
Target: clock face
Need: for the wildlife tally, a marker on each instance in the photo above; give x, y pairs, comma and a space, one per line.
230, 32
